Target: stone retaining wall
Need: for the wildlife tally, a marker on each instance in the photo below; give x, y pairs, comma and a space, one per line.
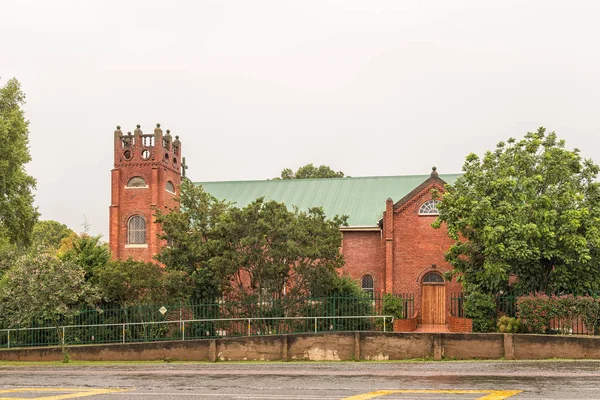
331, 347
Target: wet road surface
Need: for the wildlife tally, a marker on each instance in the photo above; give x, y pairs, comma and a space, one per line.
311, 381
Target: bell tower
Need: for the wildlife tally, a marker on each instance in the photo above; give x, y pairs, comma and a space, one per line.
146, 176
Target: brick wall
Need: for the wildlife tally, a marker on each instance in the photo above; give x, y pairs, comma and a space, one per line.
406, 325
417, 247
364, 254
456, 324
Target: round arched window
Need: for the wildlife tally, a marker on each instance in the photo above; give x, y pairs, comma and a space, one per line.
368, 285
136, 230
136, 182
433, 278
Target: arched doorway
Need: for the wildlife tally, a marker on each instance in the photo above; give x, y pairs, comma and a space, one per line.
433, 299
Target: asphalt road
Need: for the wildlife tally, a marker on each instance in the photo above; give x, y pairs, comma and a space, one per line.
310, 381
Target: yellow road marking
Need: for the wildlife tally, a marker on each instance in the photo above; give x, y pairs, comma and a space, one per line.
489, 394
75, 392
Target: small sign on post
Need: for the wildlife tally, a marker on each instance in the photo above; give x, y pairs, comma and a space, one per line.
162, 310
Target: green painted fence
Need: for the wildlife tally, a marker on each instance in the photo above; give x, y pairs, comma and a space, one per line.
208, 320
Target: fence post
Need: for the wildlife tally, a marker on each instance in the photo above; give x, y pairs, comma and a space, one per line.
248, 331
9, 338
315, 324
123, 333
63, 335
183, 330
384, 324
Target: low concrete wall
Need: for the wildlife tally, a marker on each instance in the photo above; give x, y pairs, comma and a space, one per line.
333, 346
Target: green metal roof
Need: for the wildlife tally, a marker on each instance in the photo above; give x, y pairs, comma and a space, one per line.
362, 198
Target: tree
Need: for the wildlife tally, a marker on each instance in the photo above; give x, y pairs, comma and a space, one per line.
530, 210
17, 213
309, 171
48, 234
87, 251
131, 282
41, 287
266, 248
188, 233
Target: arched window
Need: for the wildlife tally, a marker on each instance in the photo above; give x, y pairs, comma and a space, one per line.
433, 278
368, 285
136, 230
429, 208
170, 187
136, 182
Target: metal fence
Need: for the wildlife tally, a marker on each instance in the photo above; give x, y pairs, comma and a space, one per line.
506, 305
208, 320
457, 302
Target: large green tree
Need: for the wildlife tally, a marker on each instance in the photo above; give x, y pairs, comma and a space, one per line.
309, 171
188, 233
215, 249
89, 252
265, 247
529, 210
131, 283
41, 287
17, 212
48, 234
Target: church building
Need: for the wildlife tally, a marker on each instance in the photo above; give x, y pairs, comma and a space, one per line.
389, 245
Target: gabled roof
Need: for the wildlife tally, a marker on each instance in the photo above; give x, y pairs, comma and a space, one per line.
361, 198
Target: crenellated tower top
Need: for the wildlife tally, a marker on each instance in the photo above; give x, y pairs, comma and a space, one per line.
147, 149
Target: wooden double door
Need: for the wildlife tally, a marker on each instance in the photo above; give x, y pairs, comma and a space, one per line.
433, 304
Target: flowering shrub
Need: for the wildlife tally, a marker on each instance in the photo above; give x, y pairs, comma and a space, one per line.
532, 311
536, 311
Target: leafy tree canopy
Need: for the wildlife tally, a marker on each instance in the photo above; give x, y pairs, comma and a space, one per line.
87, 251
259, 248
188, 233
309, 171
17, 213
131, 282
265, 247
530, 209
41, 287
48, 234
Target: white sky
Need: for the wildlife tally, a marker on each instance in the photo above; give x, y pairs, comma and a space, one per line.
367, 87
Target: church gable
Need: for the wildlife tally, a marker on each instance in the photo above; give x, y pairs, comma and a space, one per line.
417, 194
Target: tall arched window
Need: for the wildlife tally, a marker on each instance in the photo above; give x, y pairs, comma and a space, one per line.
170, 187
136, 230
429, 208
368, 285
136, 182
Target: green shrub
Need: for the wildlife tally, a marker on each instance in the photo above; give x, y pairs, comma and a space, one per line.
509, 325
394, 306
481, 308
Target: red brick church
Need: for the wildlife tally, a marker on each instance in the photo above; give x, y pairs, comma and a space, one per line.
389, 245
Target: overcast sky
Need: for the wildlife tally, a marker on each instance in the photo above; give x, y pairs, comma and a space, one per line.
367, 87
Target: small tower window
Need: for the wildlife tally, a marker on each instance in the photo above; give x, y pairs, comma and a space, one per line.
170, 187
433, 278
137, 182
368, 285
429, 208
136, 230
